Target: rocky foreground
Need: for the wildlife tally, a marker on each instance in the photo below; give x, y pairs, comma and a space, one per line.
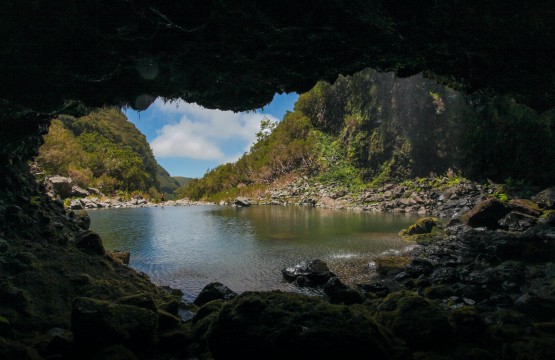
480, 287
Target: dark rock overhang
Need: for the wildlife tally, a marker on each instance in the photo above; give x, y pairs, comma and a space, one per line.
237, 54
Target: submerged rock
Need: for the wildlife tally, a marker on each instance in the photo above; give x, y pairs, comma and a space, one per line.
316, 271
214, 291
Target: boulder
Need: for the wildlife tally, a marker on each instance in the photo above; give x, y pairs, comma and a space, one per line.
276, 325
121, 256
414, 319
242, 202
545, 198
90, 242
486, 213
547, 218
339, 293
422, 226
517, 221
525, 207
94, 191
82, 219
142, 300
391, 264
59, 185
316, 271
98, 323
78, 191
76, 204
214, 291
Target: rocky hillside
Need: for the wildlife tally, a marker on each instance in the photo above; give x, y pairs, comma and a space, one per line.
373, 128
103, 150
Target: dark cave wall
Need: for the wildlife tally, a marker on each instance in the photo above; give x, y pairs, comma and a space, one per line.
237, 54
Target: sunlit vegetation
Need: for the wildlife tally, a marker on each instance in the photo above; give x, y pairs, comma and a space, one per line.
103, 150
372, 128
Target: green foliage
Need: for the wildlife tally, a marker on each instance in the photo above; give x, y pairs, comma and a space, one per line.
507, 140
102, 149
501, 196
373, 128
286, 148
333, 165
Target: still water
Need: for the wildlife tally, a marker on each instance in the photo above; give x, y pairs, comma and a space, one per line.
245, 248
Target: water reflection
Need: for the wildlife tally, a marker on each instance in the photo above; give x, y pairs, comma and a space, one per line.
187, 247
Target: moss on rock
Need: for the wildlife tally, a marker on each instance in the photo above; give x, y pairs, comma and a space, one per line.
276, 325
391, 264
416, 320
423, 231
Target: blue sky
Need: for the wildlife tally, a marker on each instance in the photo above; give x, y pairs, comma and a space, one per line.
187, 139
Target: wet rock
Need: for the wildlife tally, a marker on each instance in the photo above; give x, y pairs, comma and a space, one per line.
316, 271
546, 198
121, 256
242, 202
424, 231
60, 186
378, 289
391, 265
445, 275
485, 214
422, 226
303, 281
419, 267
214, 291
275, 325
516, 221
98, 323
90, 242
339, 293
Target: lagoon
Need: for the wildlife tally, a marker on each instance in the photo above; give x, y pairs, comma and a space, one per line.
245, 248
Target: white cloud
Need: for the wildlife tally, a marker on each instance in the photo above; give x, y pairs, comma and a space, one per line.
205, 134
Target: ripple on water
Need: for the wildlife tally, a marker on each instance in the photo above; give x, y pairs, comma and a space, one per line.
189, 247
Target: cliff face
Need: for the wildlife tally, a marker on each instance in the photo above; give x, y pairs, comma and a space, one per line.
397, 128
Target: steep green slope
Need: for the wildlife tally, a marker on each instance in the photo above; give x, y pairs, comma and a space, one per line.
168, 183
104, 150
373, 128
